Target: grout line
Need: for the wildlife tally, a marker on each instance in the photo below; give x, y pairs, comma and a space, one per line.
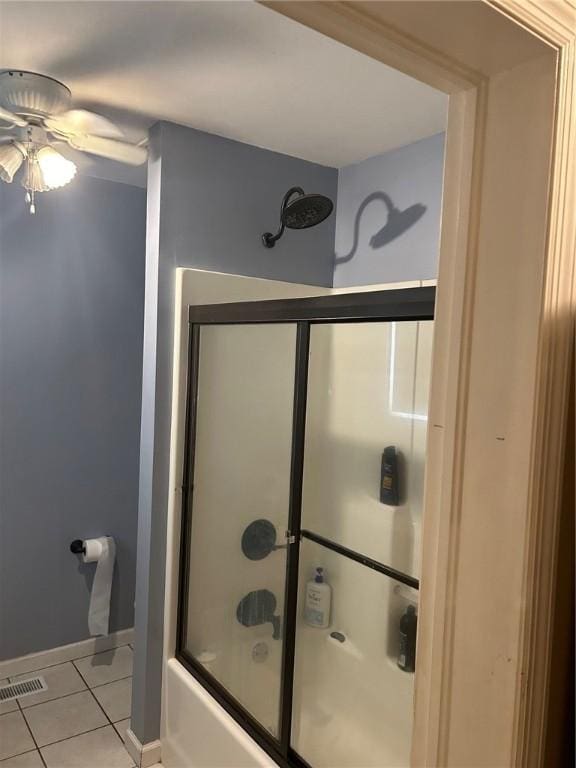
28, 752
32, 673
109, 724
96, 700
105, 714
31, 734
68, 738
56, 698
101, 685
99, 653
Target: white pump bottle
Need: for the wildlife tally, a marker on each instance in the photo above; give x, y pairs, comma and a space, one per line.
318, 601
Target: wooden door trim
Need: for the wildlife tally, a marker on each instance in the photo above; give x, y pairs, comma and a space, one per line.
554, 23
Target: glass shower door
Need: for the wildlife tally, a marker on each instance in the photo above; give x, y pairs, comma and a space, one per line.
240, 457
306, 428
361, 512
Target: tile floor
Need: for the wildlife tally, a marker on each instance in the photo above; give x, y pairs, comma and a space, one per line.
79, 722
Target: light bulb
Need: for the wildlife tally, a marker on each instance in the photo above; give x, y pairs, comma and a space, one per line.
10, 160
56, 169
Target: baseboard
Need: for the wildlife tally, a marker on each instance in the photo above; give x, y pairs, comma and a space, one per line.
144, 755
34, 661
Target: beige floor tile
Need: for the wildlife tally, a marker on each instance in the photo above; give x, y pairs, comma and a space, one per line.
63, 718
121, 727
27, 760
14, 735
115, 698
7, 706
106, 667
61, 680
97, 749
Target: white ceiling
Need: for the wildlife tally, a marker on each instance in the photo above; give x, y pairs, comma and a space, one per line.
236, 69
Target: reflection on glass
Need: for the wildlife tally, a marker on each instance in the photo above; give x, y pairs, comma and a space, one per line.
241, 477
367, 391
352, 702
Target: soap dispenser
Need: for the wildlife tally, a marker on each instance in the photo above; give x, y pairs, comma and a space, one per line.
318, 601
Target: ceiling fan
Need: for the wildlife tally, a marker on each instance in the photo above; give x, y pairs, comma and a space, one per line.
36, 109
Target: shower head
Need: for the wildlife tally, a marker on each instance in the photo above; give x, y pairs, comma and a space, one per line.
306, 211
302, 212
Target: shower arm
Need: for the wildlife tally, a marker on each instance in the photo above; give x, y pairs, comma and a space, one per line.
268, 238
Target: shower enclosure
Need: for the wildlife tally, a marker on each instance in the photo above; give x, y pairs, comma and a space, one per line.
305, 448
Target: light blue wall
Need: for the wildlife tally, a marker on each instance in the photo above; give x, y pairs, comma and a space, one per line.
209, 201
217, 198
410, 178
71, 314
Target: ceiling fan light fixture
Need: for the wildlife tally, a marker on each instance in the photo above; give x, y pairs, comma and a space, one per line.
37, 109
32, 179
56, 170
10, 161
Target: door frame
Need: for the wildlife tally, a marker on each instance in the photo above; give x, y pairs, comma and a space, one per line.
504, 324
387, 306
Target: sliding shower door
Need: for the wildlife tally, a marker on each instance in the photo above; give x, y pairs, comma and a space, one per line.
361, 525
241, 445
306, 424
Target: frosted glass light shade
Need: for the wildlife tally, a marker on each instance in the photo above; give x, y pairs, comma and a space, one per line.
56, 169
10, 161
33, 180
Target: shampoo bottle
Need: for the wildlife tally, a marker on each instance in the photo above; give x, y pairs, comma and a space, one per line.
318, 601
407, 653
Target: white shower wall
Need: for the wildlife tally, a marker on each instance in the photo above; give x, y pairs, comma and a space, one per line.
341, 502
368, 387
365, 393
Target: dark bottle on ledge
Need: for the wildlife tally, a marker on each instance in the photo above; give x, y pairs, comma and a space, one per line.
407, 654
389, 477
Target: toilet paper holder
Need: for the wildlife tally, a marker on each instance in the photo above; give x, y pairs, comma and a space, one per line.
77, 547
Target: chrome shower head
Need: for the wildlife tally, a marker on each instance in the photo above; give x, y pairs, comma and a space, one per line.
301, 213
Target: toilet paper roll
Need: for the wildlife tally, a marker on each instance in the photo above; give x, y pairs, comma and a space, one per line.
103, 552
93, 549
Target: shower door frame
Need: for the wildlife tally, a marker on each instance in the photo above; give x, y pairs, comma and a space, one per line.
388, 306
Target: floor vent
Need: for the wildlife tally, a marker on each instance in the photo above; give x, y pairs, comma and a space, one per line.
23, 688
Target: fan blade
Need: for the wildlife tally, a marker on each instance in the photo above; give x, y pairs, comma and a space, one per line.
114, 150
10, 117
80, 121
